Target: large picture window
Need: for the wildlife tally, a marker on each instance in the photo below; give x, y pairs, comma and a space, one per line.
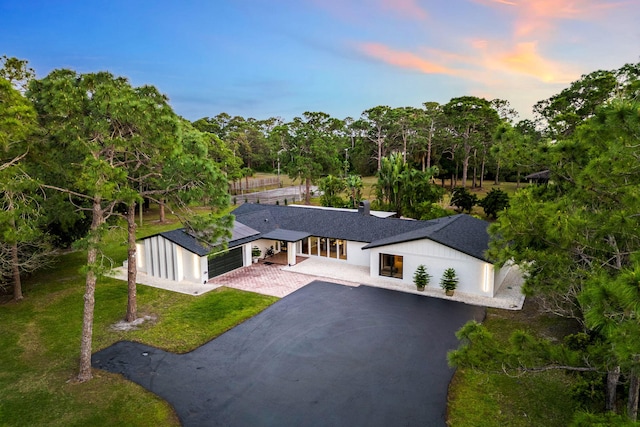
391, 266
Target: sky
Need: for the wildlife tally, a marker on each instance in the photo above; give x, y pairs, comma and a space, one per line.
280, 58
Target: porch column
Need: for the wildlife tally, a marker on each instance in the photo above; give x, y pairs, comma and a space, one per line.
291, 253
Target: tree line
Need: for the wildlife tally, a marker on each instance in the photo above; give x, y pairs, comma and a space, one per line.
469, 137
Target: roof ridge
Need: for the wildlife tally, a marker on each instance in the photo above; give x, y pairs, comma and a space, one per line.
446, 222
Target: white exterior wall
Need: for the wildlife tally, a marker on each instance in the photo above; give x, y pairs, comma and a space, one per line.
204, 269
501, 275
355, 254
141, 265
475, 276
263, 244
246, 254
159, 257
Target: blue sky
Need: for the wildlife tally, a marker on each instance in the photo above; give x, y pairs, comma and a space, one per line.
268, 58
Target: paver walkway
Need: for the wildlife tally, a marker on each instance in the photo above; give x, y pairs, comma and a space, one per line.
268, 280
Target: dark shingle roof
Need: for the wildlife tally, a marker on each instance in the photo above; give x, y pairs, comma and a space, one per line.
322, 222
461, 232
240, 234
253, 221
181, 238
285, 235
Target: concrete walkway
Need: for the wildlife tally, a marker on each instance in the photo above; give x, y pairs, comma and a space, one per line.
280, 281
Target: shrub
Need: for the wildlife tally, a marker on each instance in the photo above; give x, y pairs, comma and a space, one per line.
421, 278
494, 202
449, 281
463, 200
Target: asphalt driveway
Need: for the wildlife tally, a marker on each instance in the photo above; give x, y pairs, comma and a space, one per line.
326, 355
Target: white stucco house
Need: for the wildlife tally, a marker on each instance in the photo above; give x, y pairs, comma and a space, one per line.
391, 247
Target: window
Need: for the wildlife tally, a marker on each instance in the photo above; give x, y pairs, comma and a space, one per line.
333, 248
342, 249
391, 266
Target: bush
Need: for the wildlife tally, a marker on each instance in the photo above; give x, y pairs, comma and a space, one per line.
428, 210
421, 278
494, 202
449, 281
463, 200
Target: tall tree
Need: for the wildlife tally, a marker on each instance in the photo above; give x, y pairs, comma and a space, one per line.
405, 190
564, 112
377, 123
313, 148
429, 126
471, 122
23, 247
17, 72
94, 120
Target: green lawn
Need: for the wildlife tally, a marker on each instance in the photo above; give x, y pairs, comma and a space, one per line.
482, 399
40, 341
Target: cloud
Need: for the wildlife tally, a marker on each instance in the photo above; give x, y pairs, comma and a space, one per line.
403, 59
484, 61
405, 8
539, 16
525, 59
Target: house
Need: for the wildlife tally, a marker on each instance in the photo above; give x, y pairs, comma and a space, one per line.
541, 177
390, 247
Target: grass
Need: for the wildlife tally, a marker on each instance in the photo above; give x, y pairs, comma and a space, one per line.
483, 399
40, 341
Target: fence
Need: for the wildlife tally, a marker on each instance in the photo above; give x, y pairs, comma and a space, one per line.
280, 196
252, 184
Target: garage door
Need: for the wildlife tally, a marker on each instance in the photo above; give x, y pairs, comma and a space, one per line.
227, 261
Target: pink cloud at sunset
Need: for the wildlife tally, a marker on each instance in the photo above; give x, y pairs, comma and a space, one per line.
485, 58
538, 16
525, 59
402, 59
522, 59
406, 8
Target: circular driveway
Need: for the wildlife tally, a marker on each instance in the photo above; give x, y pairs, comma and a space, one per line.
326, 355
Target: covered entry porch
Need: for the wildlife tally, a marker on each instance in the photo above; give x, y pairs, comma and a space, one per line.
285, 242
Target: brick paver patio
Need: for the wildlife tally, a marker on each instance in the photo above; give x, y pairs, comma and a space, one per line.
268, 279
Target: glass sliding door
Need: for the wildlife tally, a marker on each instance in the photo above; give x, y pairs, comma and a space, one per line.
391, 266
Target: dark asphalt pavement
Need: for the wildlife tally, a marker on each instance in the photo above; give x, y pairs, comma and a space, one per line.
326, 355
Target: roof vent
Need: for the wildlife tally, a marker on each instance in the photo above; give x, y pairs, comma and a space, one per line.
364, 208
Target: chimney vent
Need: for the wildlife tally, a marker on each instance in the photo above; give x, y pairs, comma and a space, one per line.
364, 208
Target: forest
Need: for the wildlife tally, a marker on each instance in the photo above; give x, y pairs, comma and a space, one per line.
80, 153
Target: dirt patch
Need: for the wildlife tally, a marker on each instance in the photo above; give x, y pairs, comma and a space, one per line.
132, 326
